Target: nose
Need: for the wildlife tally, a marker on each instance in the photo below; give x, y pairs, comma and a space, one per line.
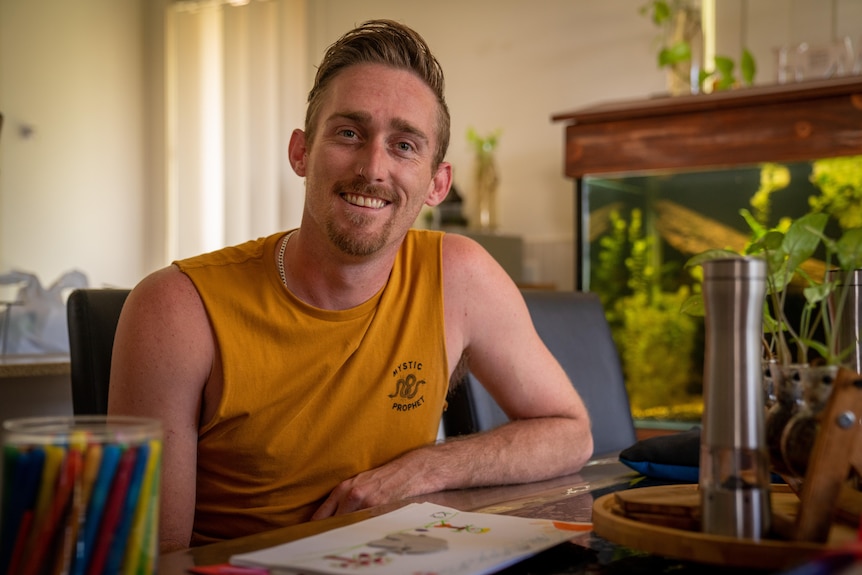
371, 163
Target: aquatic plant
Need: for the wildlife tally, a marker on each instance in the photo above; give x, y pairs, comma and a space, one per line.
840, 184
655, 341
773, 177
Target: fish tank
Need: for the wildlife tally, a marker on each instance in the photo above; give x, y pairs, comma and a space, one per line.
638, 231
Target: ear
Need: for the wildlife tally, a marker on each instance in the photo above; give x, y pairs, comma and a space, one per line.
440, 184
297, 152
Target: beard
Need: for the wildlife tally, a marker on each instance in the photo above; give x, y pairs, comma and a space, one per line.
356, 238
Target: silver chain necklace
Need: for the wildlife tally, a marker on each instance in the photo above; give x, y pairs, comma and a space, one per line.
281, 257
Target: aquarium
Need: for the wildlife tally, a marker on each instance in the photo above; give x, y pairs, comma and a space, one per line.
638, 232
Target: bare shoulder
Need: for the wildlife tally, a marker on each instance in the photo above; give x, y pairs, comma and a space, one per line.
167, 287
163, 336
468, 264
476, 290
165, 311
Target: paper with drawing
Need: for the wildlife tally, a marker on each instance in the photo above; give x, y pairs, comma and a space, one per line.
418, 538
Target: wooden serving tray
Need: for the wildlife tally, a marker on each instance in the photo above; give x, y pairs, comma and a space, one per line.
665, 521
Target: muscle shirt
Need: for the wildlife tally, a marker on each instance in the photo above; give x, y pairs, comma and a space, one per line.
312, 397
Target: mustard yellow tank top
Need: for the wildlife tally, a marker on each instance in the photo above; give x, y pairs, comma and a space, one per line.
312, 397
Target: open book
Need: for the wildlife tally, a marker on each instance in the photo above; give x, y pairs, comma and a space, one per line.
421, 538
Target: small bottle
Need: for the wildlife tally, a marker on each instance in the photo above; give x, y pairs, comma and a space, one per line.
734, 462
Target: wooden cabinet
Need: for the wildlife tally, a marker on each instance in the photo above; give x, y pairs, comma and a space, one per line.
659, 180
780, 123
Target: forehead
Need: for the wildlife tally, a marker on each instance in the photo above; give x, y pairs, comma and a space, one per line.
383, 94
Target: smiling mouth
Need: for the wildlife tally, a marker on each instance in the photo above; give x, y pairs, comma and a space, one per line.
365, 201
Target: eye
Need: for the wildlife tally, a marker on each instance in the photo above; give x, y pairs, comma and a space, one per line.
405, 147
348, 133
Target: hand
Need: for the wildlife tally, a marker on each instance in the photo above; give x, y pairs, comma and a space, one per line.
391, 482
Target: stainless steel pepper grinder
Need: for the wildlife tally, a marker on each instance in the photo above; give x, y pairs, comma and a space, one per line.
734, 462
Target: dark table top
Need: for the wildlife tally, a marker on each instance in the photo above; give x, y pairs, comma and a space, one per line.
568, 498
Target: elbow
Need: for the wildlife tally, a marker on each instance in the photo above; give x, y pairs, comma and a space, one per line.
583, 438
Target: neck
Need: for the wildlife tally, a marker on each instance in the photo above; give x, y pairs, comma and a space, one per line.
317, 275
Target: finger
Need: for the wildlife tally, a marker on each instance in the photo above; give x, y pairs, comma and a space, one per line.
326, 509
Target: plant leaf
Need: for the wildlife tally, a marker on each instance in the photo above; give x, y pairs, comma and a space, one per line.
748, 68
818, 292
702, 76
802, 239
678, 52
660, 12
756, 227
816, 346
848, 248
715, 254
724, 65
693, 305
770, 242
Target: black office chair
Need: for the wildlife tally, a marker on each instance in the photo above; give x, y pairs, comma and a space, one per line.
574, 327
92, 316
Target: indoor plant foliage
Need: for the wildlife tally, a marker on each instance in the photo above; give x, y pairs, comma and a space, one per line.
655, 341
797, 383
486, 178
840, 183
680, 25
786, 251
802, 352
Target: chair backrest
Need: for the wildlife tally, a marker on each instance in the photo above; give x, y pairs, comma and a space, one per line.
92, 316
574, 327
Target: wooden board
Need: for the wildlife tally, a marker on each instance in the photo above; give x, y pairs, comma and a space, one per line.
649, 533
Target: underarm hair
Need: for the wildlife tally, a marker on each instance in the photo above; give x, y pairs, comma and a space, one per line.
460, 372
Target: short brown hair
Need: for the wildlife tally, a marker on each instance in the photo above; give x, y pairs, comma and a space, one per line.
391, 44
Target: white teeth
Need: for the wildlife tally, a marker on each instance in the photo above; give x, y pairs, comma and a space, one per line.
364, 202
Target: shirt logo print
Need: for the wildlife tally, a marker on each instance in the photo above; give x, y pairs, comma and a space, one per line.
407, 387
409, 381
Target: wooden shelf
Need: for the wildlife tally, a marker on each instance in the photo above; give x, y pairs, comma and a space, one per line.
780, 123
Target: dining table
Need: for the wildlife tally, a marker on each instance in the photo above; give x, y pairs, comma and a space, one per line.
569, 498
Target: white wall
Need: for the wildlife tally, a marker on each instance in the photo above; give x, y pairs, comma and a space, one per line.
86, 189
763, 26
511, 65
72, 148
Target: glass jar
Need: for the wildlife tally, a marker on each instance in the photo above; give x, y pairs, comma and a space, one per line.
80, 495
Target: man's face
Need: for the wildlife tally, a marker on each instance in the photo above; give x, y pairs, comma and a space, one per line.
369, 169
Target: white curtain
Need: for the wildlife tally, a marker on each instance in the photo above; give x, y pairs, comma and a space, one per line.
235, 90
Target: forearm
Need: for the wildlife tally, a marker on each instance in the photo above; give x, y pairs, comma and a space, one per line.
518, 452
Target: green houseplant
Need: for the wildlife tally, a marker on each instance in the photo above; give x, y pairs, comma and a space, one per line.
486, 178
680, 25
801, 354
786, 249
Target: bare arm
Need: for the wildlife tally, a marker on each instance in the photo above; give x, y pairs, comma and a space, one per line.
162, 359
550, 433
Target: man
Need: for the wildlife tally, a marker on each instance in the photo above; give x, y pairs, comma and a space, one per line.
304, 374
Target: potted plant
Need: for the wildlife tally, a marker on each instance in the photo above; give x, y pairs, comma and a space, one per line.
803, 353
680, 25
786, 252
486, 178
